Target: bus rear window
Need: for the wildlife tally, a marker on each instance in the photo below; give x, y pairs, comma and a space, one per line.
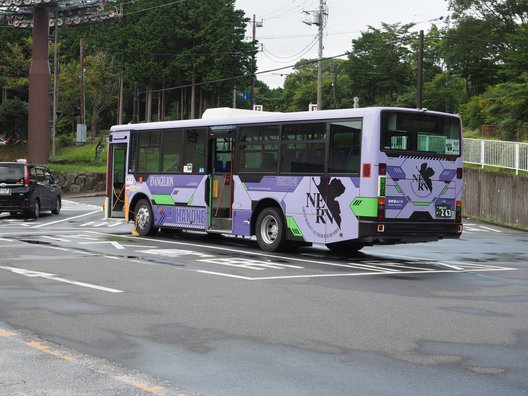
420, 133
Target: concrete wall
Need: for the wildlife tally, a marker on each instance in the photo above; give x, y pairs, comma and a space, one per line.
496, 197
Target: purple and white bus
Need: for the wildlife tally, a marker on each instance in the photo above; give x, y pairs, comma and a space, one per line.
343, 178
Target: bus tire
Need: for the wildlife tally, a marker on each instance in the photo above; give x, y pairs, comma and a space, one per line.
144, 218
270, 230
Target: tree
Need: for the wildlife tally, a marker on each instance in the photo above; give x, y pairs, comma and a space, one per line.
300, 87
469, 52
504, 13
381, 63
13, 118
101, 86
515, 57
179, 46
446, 92
15, 61
504, 104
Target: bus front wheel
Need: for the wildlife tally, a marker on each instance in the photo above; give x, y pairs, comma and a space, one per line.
143, 218
270, 230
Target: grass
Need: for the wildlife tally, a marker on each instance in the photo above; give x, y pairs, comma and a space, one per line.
79, 159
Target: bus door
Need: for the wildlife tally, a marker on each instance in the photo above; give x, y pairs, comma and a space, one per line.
221, 161
116, 185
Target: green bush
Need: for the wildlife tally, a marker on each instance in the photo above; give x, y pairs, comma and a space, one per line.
66, 140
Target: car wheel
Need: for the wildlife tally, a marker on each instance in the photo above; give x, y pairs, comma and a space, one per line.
36, 210
270, 230
57, 208
144, 218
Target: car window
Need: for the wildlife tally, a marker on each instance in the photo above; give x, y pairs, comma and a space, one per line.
11, 173
40, 174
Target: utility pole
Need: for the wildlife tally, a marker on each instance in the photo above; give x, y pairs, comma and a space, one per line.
254, 40
320, 61
81, 63
81, 127
319, 20
120, 99
419, 79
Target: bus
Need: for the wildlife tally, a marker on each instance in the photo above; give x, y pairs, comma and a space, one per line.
342, 178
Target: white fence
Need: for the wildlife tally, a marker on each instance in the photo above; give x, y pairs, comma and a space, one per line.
511, 155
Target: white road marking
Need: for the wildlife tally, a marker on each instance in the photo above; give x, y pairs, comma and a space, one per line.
399, 266
53, 277
174, 252
115, 244
257, 265
78, 205
372, 267
490, 229
451, 266
224, 274
66, 219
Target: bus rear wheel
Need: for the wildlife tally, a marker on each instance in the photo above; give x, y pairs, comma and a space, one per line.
144, 218
270, 230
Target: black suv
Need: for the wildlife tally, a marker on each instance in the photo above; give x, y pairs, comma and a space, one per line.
28, 189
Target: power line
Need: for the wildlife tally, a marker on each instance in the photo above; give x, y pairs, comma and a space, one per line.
298, 55
150, 8
240, 77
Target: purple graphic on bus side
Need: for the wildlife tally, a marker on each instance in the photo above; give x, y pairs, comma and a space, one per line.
166, 184
447, 175
396, 172
276, 184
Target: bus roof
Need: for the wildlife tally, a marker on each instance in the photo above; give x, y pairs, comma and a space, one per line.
222, 117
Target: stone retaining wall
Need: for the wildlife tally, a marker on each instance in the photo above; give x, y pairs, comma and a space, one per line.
75, 183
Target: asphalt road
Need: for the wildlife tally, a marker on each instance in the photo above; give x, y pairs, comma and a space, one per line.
85, 308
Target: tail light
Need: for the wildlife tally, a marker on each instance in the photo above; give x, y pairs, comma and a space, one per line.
458, 212
381, 208
382, 170
26, 176
366, 170
460, 172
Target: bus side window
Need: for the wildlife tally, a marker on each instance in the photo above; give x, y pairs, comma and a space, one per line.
194, 151
172, 147
345, 147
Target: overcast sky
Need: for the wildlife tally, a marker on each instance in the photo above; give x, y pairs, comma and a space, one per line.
286, 39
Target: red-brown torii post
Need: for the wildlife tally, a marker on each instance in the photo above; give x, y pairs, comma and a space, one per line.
39, 90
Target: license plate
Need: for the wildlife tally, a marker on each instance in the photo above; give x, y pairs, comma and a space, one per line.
443, 211
5, 191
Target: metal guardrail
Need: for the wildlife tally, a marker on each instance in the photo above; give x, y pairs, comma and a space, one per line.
511, 155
